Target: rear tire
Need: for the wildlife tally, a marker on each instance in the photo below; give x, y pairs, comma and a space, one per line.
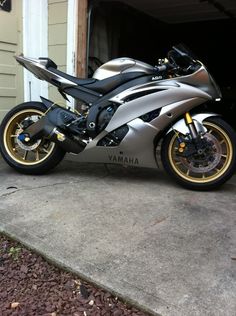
194, 173
37, 158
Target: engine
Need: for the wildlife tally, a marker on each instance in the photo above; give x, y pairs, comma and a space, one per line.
75, 124
105, 116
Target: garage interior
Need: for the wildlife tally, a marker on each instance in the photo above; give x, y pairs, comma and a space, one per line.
146, 30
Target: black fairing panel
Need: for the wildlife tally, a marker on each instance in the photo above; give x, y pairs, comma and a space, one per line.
93, 93
50, 63
104, 102
85, 95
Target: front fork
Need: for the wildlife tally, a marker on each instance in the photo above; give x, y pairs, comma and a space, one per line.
190, 123
192, 129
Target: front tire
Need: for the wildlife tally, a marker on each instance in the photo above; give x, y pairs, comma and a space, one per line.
209, 170
35, 158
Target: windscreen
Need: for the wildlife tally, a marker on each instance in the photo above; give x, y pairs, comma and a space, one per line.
182, 55
182, 49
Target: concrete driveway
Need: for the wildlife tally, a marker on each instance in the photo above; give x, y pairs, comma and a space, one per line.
132, 231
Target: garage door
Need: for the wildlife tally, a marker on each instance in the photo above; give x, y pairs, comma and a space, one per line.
11, 75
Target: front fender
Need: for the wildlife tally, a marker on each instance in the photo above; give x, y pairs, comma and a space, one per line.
182, 128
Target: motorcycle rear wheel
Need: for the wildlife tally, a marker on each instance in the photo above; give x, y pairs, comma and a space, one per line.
36, 158
199, 172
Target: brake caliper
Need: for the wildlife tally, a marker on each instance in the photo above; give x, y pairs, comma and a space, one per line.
182, 147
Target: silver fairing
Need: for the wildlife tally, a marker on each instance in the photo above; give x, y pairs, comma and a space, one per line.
173, 97
165, 95
121, 65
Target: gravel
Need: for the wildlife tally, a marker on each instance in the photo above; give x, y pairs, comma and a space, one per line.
29, 285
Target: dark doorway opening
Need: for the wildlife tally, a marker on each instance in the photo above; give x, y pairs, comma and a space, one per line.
119, 30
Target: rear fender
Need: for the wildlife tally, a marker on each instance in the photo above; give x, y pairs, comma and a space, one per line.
46, 102
198, 119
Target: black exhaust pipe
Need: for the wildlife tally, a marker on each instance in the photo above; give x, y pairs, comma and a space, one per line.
44, 128
68, 144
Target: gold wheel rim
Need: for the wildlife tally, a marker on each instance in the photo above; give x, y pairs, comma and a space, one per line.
34, 154
225, 161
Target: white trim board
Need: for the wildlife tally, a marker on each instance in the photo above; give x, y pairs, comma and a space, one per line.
35, 44
71, 41
71, 36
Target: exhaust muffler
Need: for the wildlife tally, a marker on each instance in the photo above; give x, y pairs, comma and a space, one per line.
44, 128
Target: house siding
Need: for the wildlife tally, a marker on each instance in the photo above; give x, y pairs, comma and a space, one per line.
11, 43
57, 38
11, 73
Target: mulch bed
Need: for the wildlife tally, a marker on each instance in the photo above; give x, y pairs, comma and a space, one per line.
29, 285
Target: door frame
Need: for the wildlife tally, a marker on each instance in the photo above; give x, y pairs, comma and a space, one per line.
35, 22
82, 37
71, 36
72, 19
35, 44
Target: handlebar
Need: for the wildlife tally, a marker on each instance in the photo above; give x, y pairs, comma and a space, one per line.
164, 67
160, 68
175, 69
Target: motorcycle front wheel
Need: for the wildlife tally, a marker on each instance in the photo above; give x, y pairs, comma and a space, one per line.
36, 157
211, 166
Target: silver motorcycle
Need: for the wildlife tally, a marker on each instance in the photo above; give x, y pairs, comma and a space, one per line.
127, 109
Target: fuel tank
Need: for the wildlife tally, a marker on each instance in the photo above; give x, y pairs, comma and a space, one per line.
121, 65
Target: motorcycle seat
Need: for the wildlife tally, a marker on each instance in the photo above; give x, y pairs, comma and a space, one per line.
78, 81
106, 85
100, 86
